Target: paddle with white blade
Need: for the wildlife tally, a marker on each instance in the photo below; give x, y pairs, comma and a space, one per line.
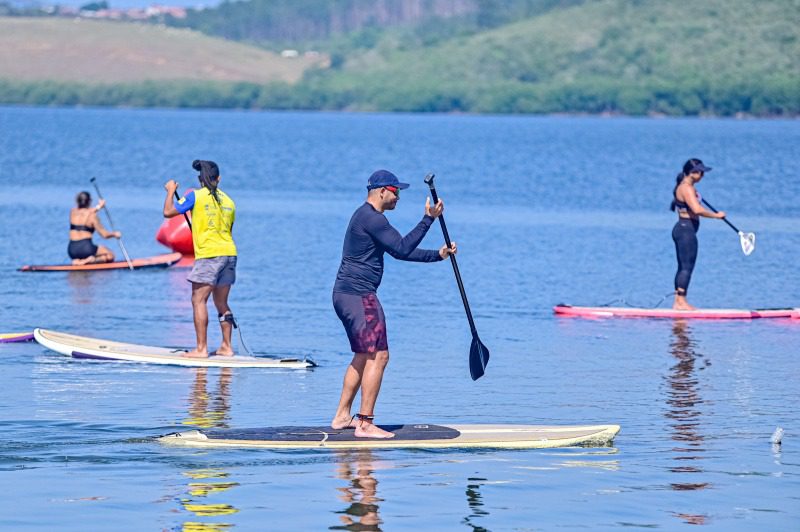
111, 223
478, 353
748, 240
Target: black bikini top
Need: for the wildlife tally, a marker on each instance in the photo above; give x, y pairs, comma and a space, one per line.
86, 228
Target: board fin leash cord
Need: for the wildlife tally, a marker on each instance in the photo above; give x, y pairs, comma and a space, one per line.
228, 317
623, 301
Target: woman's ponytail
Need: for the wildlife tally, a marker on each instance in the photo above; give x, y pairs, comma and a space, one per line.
688, 166
209, 175
678, 180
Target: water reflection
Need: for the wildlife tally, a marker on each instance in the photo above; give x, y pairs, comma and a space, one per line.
82, 285
475, 503
208, 408
360, 494
684, 402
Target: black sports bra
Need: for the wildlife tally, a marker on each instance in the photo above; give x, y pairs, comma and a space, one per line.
681, 206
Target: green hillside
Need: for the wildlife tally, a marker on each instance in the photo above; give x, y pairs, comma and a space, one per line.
674, 57
713, 57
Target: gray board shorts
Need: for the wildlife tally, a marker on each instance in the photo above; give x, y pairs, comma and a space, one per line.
216, 271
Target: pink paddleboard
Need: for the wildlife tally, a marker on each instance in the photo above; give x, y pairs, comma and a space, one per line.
706, 313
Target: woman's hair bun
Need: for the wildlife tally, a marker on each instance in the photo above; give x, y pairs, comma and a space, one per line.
83, 199
196, 164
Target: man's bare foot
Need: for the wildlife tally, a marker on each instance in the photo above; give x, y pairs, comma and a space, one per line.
196, 354
223, 352
343, 423
369, 430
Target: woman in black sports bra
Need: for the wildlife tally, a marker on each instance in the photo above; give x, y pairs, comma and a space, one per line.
83, 221
686, 201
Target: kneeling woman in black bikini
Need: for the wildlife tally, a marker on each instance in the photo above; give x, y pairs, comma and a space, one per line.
686, 201
83, 221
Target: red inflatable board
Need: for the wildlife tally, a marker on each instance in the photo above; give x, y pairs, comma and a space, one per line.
176, 235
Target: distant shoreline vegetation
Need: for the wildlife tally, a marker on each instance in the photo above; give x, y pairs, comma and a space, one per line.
775, 97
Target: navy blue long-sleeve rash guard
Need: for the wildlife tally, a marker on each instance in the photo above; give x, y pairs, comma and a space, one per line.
368, 237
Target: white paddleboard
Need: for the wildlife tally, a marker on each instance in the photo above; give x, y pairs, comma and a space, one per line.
96, 349
406, 436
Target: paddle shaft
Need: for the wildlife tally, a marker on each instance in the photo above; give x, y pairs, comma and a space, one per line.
185, 216
453, 261
723, 219
111, 223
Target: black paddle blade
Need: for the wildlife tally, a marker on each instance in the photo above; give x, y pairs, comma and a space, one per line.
478, 358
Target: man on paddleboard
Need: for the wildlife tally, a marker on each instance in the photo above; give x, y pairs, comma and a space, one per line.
368, 237
214, 271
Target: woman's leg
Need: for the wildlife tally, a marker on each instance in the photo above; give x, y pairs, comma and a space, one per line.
220, 294
200, 293
685, 239
103, 255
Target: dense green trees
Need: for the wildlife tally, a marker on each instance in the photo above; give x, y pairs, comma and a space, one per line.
298, 22
778, 96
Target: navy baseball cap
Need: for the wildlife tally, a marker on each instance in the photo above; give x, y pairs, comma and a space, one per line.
384, 178
700, 167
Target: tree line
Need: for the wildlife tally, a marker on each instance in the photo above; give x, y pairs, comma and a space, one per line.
777, 96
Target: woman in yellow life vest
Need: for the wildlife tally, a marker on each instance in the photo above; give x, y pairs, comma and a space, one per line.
214, 272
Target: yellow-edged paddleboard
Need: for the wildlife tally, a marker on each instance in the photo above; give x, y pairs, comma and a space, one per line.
406, 436
8, 338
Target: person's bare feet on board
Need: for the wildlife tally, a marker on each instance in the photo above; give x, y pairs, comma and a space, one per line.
681, 304
223, 352
344, 423
195, 354
365, 428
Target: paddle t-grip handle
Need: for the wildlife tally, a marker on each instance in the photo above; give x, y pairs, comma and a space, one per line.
435, 198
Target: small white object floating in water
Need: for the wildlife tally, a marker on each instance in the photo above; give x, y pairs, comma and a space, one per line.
777, 436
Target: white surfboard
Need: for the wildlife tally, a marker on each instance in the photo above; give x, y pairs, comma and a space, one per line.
96, 349
406, 436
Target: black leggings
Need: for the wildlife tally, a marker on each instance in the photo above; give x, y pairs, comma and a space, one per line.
685, 236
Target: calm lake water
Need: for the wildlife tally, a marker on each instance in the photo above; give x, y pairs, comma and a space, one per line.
545, 210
